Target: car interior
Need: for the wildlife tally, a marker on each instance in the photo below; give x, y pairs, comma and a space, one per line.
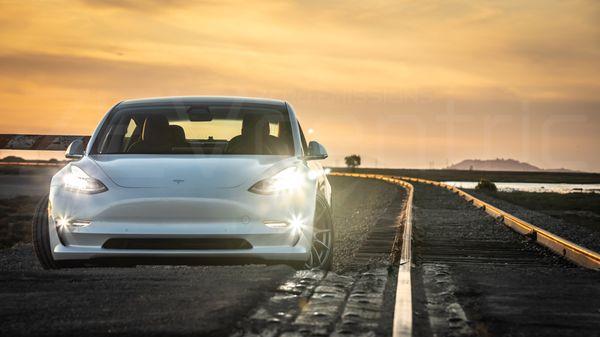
242, 132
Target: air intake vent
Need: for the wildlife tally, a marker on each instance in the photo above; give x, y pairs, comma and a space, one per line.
181, 244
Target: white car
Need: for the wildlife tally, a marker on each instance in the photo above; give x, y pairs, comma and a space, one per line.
190, 178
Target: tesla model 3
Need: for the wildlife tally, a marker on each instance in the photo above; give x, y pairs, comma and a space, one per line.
190, 178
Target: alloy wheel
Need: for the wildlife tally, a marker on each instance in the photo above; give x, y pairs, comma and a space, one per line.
321, 249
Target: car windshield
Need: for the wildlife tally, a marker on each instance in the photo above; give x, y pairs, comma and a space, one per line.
208, 129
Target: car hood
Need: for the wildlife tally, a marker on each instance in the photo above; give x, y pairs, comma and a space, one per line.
197, 171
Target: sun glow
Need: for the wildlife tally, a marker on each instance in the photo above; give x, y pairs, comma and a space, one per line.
406, 82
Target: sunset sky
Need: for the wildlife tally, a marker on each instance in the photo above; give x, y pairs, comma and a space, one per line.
402, 83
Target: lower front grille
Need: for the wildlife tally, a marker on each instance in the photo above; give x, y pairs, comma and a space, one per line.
182, 244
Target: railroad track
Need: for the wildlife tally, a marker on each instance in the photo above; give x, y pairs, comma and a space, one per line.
402, 323
569, 250
403, 308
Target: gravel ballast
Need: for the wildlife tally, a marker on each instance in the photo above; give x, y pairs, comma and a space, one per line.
475, 277
358, 203
579, 234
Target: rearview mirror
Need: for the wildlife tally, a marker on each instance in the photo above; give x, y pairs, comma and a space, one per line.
75, 150
199, 114
316, 151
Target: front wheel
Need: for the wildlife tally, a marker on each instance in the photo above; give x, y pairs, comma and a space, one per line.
40, 236
321, 250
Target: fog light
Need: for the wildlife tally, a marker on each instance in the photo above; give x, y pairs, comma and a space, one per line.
80, 223
276, 224
62, 222
297, 223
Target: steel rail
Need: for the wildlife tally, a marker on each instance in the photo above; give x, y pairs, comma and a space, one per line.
402, 323
567, 249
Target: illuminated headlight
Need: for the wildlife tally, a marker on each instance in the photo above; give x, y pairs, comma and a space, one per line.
79, 181
289, 179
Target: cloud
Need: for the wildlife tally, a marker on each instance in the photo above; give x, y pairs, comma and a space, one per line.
102, 74
136, 5
346, 65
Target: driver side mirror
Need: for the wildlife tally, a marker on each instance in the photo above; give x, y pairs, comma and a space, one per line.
75, 150
316, 151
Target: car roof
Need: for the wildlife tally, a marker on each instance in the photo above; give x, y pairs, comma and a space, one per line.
187, 100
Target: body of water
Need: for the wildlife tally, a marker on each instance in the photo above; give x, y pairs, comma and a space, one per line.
533, 187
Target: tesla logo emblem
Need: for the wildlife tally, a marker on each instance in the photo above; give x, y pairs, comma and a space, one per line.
178, 181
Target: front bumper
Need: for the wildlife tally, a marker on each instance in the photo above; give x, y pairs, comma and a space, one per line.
263, 253
125, 213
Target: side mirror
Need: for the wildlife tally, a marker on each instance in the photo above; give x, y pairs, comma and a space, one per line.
316, 151
75, 150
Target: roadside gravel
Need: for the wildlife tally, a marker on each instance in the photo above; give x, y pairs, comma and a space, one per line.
171, 300
357, 204
15, 220
579, 234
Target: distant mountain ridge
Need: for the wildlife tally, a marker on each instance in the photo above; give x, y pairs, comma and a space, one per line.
499, 165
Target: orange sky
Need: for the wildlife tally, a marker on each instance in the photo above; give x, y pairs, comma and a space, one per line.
403, 83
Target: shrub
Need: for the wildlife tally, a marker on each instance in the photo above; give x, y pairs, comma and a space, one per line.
352, 161
486, 185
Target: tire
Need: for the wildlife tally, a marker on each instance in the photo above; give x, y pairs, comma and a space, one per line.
323, 235
40, 235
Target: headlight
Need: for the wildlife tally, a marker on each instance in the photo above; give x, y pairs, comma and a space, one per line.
79, 181
289, 179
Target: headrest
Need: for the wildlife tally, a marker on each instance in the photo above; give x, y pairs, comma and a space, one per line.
177, 132
255, 125
156, 128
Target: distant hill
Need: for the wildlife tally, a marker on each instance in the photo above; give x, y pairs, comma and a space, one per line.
12, 159
499, 165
